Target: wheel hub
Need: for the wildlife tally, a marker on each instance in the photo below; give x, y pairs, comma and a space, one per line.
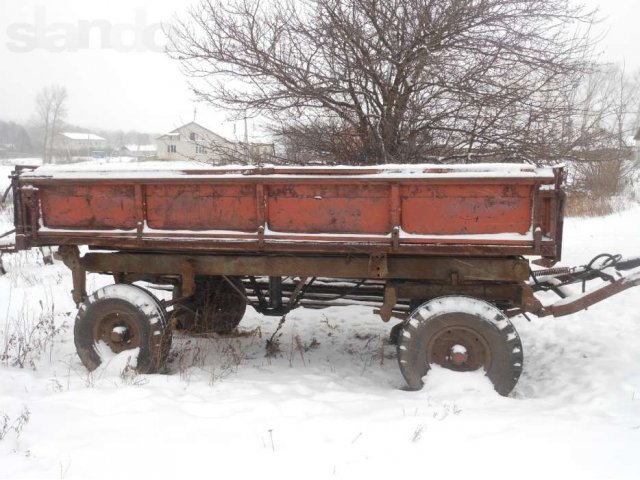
119, 331
120, 334
458, 355
459, 348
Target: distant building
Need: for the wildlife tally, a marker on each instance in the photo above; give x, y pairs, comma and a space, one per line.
139, 151
70, 143
195, 142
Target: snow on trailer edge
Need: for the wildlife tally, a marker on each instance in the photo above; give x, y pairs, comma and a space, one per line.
160, 170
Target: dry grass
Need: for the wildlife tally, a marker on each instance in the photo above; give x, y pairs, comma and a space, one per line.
601, 188
30, 335
583, 205
592, 205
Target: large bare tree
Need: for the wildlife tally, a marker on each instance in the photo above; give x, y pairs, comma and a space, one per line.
390, 80
51, 111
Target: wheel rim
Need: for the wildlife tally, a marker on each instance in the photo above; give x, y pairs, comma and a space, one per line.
119, 330
458, 348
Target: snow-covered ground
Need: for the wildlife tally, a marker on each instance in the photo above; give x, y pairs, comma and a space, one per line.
331, 409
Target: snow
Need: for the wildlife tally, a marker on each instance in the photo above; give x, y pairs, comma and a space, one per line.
153, 233
114, 364
633, 277
336, 408
174, 170
47, 230
497, 237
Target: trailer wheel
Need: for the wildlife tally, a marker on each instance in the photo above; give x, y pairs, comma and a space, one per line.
461, 334
168, 335
123, 317
216, 307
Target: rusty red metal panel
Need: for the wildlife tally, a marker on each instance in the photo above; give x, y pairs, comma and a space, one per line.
333, 211
466, 209
202, 207
325, 208
88, 207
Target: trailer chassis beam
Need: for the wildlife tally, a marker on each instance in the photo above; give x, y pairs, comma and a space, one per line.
424, 268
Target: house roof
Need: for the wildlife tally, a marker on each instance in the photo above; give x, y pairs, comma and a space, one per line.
176, 131
81, 136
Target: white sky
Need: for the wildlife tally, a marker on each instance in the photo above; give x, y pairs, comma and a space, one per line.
142, 89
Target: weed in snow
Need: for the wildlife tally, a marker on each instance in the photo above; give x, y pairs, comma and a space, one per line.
7, 425
130, 376
55, 385
26, 338
64, 469
329, 325
446, 411
417, 433
218, 356
273, 447
273, 344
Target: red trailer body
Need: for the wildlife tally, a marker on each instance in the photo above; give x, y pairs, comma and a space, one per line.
468, 210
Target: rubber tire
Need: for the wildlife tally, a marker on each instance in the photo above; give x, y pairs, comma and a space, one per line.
209, 310
143, 308
168, 334
394, 334
496, 329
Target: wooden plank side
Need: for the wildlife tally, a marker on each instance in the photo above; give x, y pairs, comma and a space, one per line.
202, 207
467, 209
88, 206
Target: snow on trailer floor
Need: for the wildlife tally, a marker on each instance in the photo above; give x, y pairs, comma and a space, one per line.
335, 410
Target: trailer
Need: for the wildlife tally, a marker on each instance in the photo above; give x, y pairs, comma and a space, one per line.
446, 250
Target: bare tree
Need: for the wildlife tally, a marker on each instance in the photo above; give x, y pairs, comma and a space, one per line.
51, 111
605, 120
390, 80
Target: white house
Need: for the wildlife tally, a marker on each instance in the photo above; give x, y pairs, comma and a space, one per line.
195, 142
192, 142
78, 143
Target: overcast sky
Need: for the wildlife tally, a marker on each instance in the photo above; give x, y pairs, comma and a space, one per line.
126, 82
